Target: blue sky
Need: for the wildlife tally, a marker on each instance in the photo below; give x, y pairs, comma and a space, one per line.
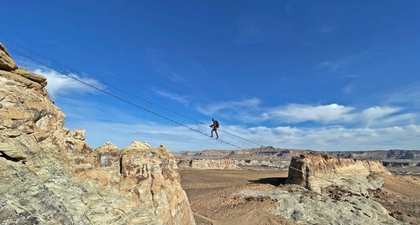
320, 75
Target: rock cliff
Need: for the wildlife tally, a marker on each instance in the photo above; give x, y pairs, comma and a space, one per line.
208, 163
331, 191
318, 171
51, 176
383, 155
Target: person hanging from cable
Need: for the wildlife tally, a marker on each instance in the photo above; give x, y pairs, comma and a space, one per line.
215, 126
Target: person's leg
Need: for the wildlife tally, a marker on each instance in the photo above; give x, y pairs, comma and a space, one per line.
212, 133
217, 135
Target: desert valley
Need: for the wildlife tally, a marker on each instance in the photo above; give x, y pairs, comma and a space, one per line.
268, 186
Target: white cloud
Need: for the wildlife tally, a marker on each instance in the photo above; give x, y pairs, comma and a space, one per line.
406, 118
345, 64
178, 138
376, 127
158, 60
250, 111
125, 128
296, 113
59, 84
176, 77
175, 137
339, 138
406, 94
185, 100
350, 75
348, 89
235, 106
376, 116
373, 113
331, 66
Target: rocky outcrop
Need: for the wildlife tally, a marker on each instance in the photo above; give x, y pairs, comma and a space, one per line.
329, 190
264, 163
6, 61
51, 176
208, 163
305, 207
318, 171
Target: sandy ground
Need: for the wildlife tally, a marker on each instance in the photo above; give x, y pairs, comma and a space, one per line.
401, 196
214, 199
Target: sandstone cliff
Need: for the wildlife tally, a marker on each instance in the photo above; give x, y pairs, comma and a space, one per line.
51, 176
329, 190
318, 171
208, 163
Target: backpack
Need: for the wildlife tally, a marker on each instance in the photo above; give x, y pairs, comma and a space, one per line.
216, 123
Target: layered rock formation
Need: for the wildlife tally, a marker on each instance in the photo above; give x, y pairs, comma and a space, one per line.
383, 155
51, 176
6, 61
303, 207
331, 191
270, 153
205, 154
208, 163
318, 171
267, 153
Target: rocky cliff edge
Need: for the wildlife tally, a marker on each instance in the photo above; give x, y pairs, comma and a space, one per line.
318, 171
50, 175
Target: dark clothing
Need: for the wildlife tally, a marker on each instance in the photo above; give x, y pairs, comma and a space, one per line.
215, 125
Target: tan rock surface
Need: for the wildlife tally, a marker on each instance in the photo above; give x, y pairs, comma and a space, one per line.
6, 61
51, 176
317, 171
208, 163
23, 81
31, 76
149, 178
258, 195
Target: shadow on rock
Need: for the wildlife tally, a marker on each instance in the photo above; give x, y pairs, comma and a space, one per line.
276, 181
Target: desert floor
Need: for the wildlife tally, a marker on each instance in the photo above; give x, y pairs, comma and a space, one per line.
214, 198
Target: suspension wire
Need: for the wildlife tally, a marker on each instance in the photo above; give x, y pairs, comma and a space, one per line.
240, 137
149, 103
99, 81
124, 100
